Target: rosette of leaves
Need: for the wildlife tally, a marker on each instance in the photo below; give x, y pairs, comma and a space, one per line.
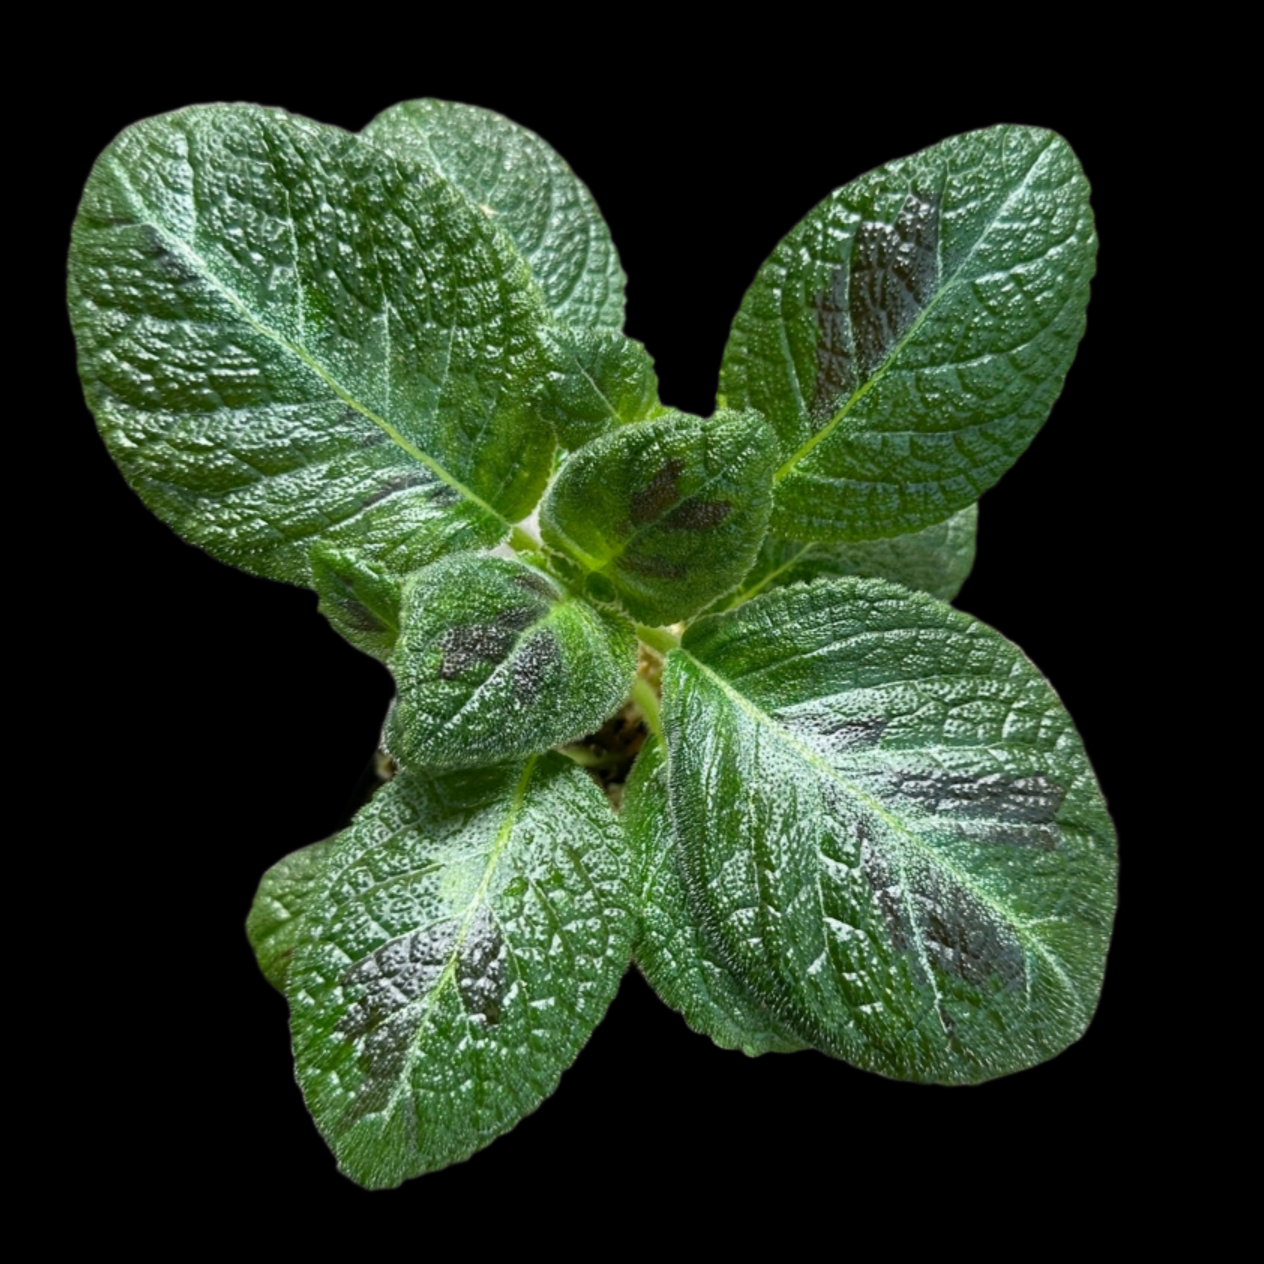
679, 690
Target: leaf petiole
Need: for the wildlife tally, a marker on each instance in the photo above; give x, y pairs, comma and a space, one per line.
658, 639
646, 699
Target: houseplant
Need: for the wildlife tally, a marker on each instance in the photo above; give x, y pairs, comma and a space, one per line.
704, 513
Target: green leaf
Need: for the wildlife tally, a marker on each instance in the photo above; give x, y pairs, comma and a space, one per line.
889, 823
289, 336
908, 338
935, 560
360, 604
665, 515
597, 379
468, 933
682, 965
496, 659
523, 186
277, 918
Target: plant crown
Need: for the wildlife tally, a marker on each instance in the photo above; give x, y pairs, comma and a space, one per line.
676, 690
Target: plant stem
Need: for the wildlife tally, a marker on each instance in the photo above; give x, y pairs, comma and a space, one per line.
660, 639
647, 702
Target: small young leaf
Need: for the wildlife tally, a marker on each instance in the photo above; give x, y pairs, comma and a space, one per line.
277, 918
288, 336
495, 659
681, 964
935, 560
466, 936
524, 187
597, 379
908, 338
665, 515
890, 824
360, 604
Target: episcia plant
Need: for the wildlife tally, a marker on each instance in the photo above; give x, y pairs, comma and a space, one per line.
673, 690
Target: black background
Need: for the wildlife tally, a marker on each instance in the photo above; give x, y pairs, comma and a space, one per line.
207, 722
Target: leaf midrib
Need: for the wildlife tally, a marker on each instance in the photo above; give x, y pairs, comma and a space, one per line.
449, 968
203, 269
950, 284
744, 595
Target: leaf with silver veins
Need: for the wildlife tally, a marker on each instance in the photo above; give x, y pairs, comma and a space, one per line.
468, 932
908, 338
495, 659
887, 819
289, 336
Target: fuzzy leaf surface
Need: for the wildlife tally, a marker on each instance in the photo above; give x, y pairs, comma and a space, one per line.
467, 935
288, 336
277, 918
525, 188
597, 379
666, 515
496, 659
360, 604
888, 820
681, 964
935, 560
908, 338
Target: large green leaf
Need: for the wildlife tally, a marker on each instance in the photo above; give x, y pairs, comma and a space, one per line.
907, 339
496, 659
682, 965
888, 821
466, 937
523, 186
289, 336
597, 377
277, 918
935, 560
665, 515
